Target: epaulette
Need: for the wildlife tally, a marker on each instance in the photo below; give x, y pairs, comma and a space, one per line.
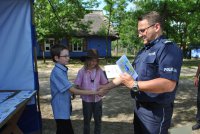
167, 42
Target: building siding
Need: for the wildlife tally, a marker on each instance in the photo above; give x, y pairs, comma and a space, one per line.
98, 43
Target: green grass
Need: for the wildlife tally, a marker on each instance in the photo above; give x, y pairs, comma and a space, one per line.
186, 77
191, 62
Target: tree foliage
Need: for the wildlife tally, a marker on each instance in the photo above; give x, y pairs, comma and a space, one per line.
60, 17
181, 21
63, 16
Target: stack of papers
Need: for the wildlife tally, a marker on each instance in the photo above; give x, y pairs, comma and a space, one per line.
5, 95
25, 94
8, 106
5, 112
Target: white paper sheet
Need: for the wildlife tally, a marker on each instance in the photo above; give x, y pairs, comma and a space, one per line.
122, 65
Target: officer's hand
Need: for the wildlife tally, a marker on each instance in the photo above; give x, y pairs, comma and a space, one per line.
127, 80
117, 81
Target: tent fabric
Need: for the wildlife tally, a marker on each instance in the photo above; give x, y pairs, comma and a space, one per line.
30, 120
16, 69
17, 62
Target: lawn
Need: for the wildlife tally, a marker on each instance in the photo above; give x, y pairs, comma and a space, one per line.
117, 104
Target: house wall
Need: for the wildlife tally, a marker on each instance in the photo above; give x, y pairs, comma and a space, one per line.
47, 54
98, 43
40, 49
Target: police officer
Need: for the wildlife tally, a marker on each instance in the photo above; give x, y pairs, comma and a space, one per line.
158, 65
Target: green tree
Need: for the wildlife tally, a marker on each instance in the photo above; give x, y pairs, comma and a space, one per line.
181, 19
60, 17
118, 15
109, 9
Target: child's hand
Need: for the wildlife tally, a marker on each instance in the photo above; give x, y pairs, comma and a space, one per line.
73, 96
92, 92
103, 91
196, 81
101, 86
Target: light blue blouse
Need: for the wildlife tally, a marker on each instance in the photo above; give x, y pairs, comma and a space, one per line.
61, 96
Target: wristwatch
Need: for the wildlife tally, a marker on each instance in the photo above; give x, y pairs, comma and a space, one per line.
135, 87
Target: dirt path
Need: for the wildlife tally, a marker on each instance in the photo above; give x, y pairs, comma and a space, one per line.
118, 105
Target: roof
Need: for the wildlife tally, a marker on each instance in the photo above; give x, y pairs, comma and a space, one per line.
97, 23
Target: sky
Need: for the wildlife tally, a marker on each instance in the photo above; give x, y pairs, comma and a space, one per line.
102, 4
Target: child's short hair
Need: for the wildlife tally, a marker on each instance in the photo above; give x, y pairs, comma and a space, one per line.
56, 50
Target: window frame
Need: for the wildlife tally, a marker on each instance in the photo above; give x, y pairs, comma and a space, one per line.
77, 44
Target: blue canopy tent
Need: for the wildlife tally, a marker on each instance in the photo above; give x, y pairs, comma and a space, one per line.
18, 70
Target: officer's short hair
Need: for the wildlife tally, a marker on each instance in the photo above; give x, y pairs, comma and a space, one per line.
152, 17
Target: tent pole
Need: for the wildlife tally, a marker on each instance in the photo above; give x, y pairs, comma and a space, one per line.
35, 59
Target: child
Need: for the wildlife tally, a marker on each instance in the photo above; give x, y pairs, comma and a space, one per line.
91, 76
61, 90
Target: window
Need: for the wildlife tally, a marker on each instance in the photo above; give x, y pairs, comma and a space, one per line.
77, 44
49, 42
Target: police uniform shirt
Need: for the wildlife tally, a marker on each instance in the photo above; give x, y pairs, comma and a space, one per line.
158, 59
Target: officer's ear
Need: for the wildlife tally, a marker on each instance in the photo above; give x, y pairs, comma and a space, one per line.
157, 27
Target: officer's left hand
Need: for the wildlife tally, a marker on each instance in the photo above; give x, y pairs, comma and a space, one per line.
127, 80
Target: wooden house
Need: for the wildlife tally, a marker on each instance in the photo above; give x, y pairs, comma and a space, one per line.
78, 43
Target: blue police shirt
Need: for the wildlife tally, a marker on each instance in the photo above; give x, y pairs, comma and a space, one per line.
61, 96
159, 59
